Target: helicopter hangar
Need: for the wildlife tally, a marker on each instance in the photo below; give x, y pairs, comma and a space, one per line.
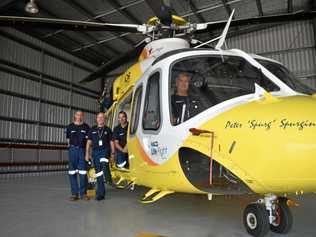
42, 67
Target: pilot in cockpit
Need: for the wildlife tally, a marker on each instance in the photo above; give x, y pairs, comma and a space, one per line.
184, 105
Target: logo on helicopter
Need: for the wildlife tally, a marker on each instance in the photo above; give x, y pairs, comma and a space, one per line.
156, 150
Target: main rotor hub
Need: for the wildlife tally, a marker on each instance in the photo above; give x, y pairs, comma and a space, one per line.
176, 20
162, 46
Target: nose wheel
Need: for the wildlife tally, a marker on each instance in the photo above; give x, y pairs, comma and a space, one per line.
256, 220
283, 218
270, 213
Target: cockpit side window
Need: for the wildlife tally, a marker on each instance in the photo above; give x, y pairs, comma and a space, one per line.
124, 105
136, 109
200, 82
151, 115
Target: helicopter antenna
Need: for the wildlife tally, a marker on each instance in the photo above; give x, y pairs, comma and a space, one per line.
207, 42
225, 31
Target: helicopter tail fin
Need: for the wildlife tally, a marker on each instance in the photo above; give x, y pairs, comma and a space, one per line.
225, 31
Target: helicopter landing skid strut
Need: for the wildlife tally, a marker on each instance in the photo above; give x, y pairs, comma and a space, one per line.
154, 195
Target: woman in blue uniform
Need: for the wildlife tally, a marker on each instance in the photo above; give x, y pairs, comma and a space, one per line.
76, 134
100, 139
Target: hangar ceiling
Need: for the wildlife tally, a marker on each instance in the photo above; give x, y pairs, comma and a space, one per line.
99, 47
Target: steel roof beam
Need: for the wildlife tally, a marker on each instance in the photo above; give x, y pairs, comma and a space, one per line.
123, 12
84, 34
211, 7
89, 14
289, 6
227, 7
93, 57
194, 11
102, 14
59, 42
259, 7
99, 42
6, 4
311, 5
251, 29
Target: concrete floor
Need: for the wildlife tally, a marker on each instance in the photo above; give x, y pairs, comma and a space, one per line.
39, 206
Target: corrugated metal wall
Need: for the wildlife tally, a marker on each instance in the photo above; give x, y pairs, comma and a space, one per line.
293, 44
39, 93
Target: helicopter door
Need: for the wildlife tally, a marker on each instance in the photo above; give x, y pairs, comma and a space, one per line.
134, 124
154, 145
145, 144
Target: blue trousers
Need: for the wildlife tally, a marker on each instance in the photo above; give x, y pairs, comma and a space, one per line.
100, 160
77, 164
122, 159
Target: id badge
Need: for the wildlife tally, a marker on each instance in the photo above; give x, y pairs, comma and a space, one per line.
100, 143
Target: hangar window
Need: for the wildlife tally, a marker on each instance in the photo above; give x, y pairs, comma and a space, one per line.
136, 109
151, 116
200, 82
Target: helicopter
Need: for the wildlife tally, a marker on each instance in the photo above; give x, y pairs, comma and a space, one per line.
248, 128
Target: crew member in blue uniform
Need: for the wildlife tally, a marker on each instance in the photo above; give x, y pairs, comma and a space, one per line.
100, 139
184, 105
120, 140
77, 134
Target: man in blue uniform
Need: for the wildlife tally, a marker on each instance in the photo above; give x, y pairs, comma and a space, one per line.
76, 134
100, 139
120, 140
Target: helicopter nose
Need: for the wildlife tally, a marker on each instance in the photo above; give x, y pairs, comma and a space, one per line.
274, 141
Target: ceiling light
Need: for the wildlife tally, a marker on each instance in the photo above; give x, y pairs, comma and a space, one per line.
31, 7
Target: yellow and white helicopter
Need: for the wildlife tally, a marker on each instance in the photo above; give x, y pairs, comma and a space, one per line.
248, 126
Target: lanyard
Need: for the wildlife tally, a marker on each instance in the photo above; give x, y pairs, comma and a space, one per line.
188, 104
185, 109
100, 135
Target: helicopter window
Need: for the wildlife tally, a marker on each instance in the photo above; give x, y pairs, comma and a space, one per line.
287, 77
151, 116
124, 105
136, 109
198, 83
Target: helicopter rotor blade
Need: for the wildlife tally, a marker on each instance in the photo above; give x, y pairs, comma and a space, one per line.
115, 63
300, 15
72, 25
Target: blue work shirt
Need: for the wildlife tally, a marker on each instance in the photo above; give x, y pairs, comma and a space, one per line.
77, 134
120, 134
101, 137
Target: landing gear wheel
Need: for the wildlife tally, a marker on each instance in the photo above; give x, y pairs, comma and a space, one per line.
256, 220
284, 219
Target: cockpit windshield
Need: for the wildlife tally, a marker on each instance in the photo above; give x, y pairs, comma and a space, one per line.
287, 77
200, 82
